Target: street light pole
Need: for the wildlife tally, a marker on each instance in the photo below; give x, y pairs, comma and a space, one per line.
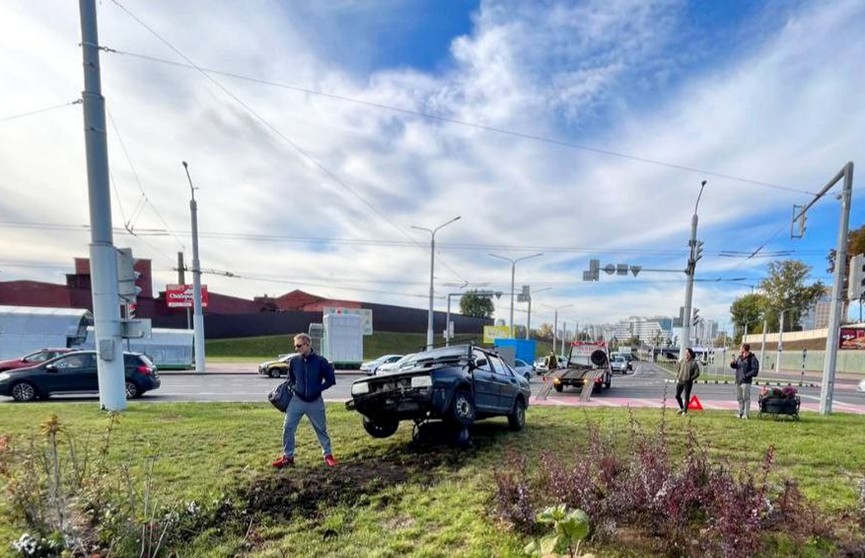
432, 259
689, 289
513, 274
529, 316
556, 322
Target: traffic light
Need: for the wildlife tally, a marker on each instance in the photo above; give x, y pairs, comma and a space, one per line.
698, 251
130, 310
696, 319
856, 279
126, 276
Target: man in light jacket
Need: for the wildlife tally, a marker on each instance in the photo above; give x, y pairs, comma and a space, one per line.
689, 371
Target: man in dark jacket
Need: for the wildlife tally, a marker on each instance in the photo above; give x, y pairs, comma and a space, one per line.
747, 366
309, 374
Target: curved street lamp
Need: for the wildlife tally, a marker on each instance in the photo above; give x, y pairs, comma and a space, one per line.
432, 260
513, 272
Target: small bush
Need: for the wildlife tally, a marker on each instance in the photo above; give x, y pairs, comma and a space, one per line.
690, 507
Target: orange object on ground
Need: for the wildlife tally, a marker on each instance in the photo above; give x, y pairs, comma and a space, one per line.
694, 404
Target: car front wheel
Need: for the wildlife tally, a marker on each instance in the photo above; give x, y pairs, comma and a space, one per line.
380, 429
23, 391
273, 373
517, 418
463, 408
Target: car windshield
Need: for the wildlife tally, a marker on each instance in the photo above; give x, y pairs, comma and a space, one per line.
435, 356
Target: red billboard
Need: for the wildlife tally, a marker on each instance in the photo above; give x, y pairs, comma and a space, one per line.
180, 296
851, 338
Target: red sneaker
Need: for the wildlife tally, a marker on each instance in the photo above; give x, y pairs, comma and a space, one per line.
330, 460
284, 461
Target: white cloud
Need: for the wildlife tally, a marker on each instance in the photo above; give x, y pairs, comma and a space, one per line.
785, 111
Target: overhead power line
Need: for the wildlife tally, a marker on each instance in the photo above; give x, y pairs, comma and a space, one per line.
39, 111
276, 131
450, 120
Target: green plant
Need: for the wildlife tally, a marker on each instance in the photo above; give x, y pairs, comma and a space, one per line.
570, 527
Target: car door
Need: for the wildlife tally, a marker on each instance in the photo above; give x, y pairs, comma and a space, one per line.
486, 388
75, 372
506, 382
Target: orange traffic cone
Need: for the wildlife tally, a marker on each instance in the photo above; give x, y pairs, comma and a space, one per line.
694, 404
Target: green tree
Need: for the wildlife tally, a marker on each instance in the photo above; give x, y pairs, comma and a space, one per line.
477, 305
785, 287
544, 332
746, 312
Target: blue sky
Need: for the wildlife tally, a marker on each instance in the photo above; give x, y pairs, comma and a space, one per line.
577, 120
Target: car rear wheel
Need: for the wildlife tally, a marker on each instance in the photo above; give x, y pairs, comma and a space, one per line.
132, 390
517, 418
380, 429
273, 373
463, 408
23, 391
528, 377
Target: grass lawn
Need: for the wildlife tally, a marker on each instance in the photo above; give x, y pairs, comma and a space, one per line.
249, 349
390, 499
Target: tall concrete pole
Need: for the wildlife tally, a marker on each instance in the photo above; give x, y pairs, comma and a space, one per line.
103, 255
181, 280
529, 317
827, 387
432, 259
690, 270
197, 310
780, 347
763, 345
685, 340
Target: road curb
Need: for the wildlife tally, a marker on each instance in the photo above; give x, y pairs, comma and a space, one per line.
167, 373
729, 382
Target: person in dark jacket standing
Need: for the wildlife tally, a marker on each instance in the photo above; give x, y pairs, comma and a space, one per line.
309, 375
747, 366
689, 371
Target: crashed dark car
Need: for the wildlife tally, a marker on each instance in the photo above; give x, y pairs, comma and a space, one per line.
459, 385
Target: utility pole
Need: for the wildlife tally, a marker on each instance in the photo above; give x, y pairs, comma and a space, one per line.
432, 262
181, 280
780, 348
695, 254
827, 386
103, 255
763, 345
198, 312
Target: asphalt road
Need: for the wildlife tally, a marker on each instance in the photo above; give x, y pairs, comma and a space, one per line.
647, 386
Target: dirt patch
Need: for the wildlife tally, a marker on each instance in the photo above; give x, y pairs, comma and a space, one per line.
285, 494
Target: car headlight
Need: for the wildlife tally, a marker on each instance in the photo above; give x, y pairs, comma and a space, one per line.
421, 381
4, 376
359, 388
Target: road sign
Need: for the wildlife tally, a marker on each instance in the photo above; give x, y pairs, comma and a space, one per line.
180, 296
491, 333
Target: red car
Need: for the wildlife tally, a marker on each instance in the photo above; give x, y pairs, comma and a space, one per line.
32, 359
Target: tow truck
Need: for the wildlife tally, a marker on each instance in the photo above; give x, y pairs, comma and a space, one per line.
588, 363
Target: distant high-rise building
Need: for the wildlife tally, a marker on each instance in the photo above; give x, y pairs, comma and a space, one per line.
818, 315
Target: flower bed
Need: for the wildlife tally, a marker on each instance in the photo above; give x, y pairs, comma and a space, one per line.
780, 402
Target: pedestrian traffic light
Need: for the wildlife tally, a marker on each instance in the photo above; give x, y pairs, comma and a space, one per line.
856, 279
126, 276
130, 310
696, 319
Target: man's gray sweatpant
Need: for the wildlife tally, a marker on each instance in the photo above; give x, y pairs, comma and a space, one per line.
314, 411
743, 396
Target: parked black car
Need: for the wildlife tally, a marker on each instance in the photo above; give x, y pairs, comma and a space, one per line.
459, 384
75, 373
